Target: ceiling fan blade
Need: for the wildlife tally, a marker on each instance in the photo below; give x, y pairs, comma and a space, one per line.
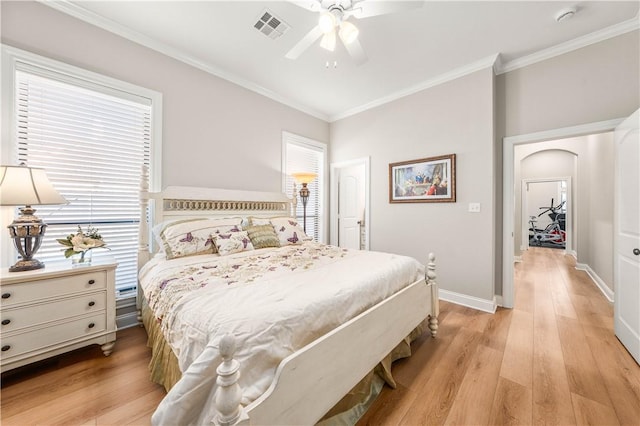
368, 8
356, 51
312, 5
305, 43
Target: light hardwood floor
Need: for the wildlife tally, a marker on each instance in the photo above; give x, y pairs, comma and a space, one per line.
552, 359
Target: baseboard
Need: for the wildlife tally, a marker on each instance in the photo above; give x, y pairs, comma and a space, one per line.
517, 259
126, 312
127, 320
498, 299
468, 301
573, 253
608, 293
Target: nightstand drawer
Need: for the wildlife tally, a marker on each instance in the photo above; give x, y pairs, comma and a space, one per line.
20, 343
53, 287
40, 313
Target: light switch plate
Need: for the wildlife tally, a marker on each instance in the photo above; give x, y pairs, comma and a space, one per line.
474, 207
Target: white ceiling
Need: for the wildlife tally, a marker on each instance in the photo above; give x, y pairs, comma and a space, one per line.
406, 50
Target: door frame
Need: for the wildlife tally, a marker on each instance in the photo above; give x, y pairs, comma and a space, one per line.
568, 218
333, 205
508, 189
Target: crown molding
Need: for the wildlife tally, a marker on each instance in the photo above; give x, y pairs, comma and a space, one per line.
494, 61
488, 62
85, 15
571, 45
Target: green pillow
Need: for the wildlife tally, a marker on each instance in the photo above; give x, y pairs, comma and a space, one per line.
262, 236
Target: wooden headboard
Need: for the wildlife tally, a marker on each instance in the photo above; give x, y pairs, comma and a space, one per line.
185, 202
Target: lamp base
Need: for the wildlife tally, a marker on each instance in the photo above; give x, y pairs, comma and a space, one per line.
27, 231
26, 265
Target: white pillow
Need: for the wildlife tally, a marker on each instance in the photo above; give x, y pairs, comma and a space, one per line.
232, 242
288, 231
191, 237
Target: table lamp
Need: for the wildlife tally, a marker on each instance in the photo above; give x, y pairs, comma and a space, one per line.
304, 178
21, 185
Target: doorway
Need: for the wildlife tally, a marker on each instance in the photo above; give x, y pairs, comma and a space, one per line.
350, 205
540, 198
509, 230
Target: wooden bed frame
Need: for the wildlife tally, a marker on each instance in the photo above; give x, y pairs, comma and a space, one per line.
305, 386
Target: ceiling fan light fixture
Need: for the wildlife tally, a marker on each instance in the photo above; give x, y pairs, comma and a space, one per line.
329, 41
348, 32
327, 22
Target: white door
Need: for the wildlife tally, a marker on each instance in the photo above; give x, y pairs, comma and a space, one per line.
351, 202
627, 235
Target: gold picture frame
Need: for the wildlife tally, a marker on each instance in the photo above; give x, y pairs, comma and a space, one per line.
427, 180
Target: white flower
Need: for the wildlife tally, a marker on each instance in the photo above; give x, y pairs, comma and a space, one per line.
82, 243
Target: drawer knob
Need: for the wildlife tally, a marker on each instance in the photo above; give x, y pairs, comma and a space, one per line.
91, 325
6, 348
6, 295
92, 282
6, 322
92, 303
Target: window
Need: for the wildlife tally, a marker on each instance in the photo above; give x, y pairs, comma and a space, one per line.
305, 155
92, 139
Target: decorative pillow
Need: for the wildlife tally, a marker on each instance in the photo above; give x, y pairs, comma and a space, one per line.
232, 242
288, 231
263, 236
259, 221
193, 236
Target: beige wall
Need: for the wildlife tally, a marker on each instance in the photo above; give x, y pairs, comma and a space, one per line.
455, 117
215, 133
601, 181
595, 83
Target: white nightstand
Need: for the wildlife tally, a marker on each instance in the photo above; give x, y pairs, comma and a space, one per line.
56, 309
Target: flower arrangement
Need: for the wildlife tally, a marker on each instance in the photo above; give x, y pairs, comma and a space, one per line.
81, 242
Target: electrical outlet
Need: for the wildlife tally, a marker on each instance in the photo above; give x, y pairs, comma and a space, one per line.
474, 207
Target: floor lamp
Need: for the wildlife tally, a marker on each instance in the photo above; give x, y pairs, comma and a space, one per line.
304, 178
27, 186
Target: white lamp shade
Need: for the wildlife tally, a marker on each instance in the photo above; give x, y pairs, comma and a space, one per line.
348, 32
327, 22
27, 186
329, 41
304, 177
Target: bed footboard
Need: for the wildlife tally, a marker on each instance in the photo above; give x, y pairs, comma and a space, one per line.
305, 387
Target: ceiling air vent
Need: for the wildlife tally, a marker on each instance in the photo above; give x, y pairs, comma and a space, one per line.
270, 25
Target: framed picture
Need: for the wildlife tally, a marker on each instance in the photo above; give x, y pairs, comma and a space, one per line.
428, 180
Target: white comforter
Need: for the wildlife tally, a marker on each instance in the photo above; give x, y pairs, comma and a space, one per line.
274, 301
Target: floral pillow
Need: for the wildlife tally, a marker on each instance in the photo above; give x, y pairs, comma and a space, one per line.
192, 237
288, 231
263, 236
232, 242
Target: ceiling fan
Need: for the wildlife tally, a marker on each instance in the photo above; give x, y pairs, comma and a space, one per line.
334, 18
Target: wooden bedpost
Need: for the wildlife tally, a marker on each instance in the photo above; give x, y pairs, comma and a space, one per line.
143, 232
431, 281
294, 201
229, 394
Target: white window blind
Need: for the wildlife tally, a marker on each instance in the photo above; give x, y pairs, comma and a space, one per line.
93, 142
306, 156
